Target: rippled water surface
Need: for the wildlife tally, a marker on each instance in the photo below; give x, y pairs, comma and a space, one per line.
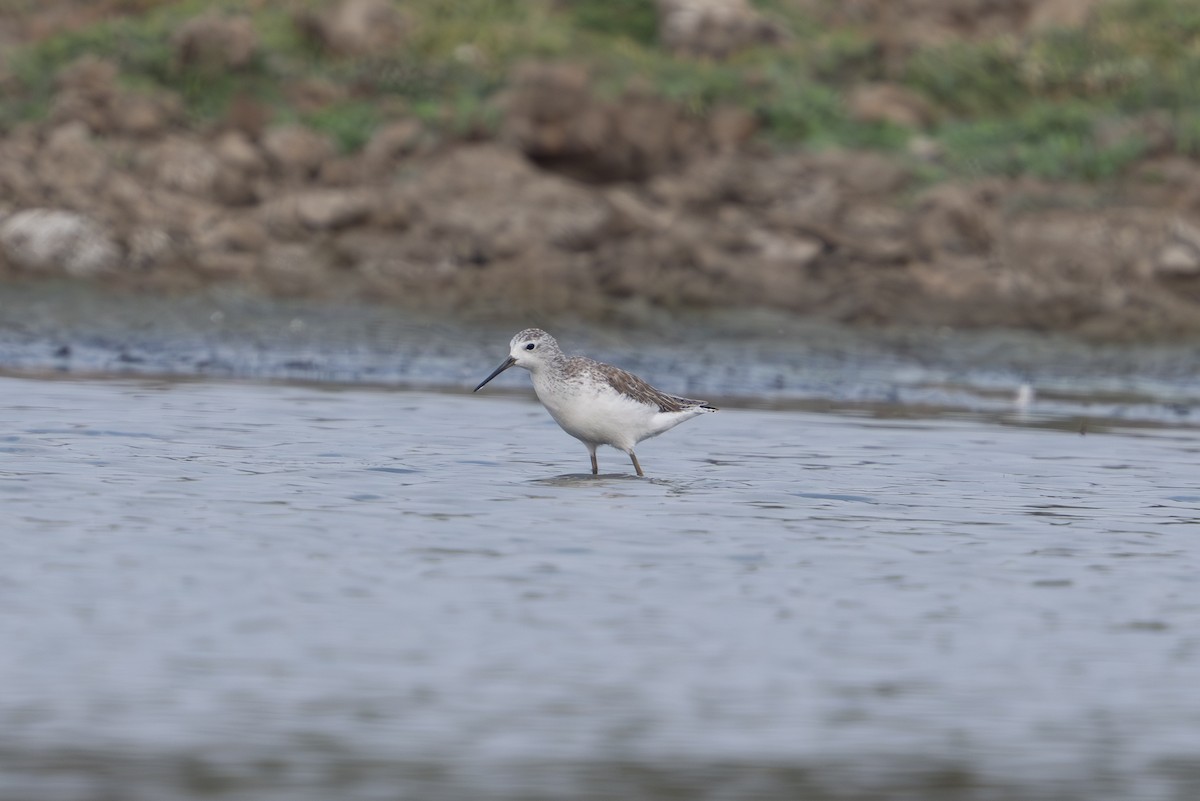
295, 592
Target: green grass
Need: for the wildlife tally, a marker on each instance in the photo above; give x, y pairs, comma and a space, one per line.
635, 20
1006, 106
1137, 54
349, 124
970, 80
141, 47
1187, 133
1054, 141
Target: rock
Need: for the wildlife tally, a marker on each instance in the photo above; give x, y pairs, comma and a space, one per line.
151, 248
885, 102
226, 265
127, 198
1177, 260
230, 235
634, 213
1047, 14
394, 208
379, 258
1153, 132
216, 41
863, 173
332, 208
71, 163
951, 219
87, 93
308, 95
1186, 233
392, 142
731, 127
901, 27
878, 231
19, 184
280, 217
294, 214
925, 148
550, 92
713, 28
552, 115
128, 201
1070, 255
184, 164
355, 28
792, 252
343, 172
295, 270
490, 204
236, 151
819, 202
242, 170
295, 152
1175, 173
146, 115
550, 112
247, 115
653, 134
1179, 257
90, 76
57, 241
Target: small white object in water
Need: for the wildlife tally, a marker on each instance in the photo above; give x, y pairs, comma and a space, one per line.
1025, 397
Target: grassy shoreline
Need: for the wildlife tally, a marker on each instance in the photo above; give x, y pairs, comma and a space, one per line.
1061, 104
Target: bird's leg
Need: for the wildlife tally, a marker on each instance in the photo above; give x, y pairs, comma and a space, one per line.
595, 464
636, 466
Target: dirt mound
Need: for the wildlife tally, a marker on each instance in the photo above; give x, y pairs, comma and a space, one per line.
591, 205
554, 116
713, 28
938, 21
901, 27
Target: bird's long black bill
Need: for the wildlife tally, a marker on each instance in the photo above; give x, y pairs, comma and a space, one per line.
509, 362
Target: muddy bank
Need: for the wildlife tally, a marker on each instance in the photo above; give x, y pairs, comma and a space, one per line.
737, 359
583, 203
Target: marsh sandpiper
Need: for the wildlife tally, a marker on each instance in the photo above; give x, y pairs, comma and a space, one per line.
596, 403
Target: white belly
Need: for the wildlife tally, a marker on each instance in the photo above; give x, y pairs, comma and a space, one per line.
602, 416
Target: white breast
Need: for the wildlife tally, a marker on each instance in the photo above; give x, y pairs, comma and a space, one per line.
599, 415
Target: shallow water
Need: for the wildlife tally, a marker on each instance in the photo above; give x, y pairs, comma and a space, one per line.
241, 590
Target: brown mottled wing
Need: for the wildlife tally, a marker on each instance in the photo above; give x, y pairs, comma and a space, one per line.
629, 384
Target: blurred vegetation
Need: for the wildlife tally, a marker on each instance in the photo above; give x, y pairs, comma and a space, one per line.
1014, 105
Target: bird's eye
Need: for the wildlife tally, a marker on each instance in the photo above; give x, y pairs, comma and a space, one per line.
531, 346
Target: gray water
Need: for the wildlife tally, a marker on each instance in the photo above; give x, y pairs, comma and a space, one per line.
273, 591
